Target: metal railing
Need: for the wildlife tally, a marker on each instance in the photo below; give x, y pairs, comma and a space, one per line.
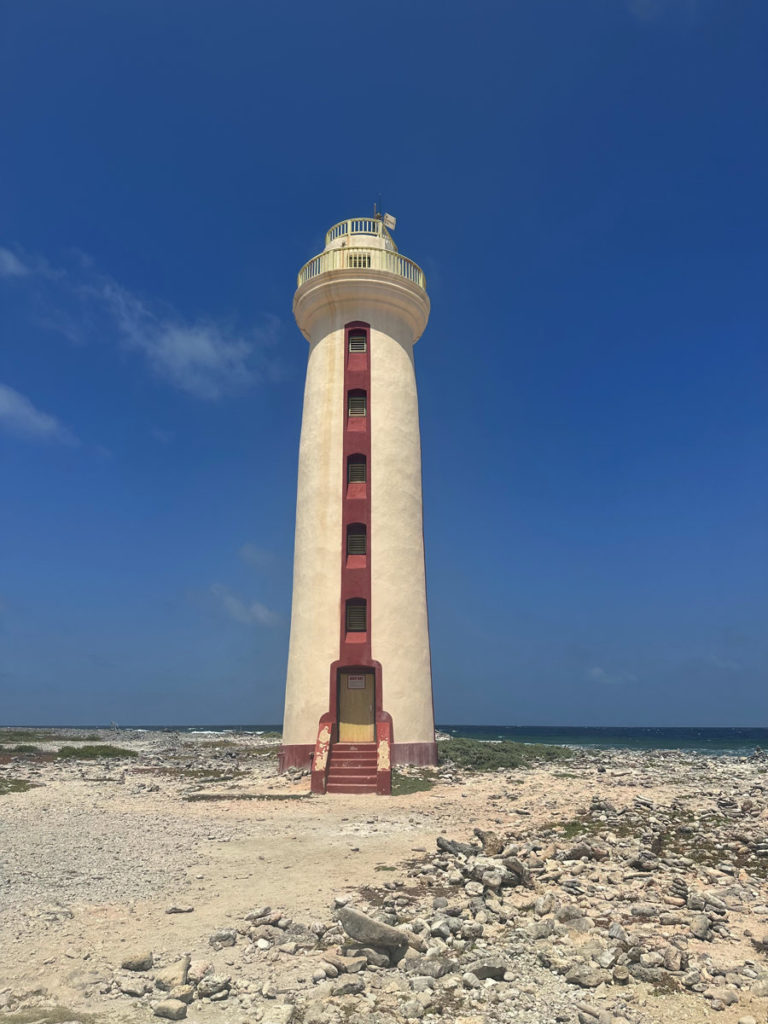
359, 258
360, 226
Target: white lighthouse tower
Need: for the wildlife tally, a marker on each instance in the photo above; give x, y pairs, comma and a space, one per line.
359, 685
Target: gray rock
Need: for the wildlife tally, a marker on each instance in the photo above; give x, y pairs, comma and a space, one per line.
377, 957
138, 961
213, 983
185, 993
454, 848
223, 937
644, 910
544, 904
725, 995
569, 912
368, 932
197, 970
620, 974
587, 977
431, 968
258, 913
278, 1013
412, 1009
348, 987
171, 1009
542, 929
136, 987
172, 976
700, 926
494, 968
422, 984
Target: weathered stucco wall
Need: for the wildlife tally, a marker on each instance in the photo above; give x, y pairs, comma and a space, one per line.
397, 311
314, 641
400, 635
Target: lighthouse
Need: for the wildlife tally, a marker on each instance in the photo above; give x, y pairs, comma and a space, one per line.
358, 695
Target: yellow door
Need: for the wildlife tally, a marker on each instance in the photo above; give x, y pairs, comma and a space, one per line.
356, 707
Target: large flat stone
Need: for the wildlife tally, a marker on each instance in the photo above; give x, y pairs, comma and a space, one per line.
368, 932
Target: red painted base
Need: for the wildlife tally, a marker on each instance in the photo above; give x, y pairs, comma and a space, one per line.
352, 768
414, 753
295, 755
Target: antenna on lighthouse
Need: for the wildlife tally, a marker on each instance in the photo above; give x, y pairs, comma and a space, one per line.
390, 222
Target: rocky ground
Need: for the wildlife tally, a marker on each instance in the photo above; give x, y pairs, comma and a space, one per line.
193, 881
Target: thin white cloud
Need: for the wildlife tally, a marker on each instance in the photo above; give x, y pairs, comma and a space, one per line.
201, 357
11, 265
617, 677
253, 555
251, 614
19, 416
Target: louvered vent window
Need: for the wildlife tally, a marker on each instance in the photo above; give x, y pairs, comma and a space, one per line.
360, 260
356, 615
357, 341
357, 403
356, 469
356, 539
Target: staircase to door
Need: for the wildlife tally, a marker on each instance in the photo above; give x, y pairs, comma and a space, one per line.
352, 768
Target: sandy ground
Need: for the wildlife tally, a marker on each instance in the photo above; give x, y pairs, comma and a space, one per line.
92, 859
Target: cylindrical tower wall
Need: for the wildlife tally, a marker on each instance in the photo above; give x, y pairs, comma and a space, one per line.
396, 308
400, 634
314, 641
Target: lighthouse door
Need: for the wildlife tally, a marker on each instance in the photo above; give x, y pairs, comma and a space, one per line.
356, 719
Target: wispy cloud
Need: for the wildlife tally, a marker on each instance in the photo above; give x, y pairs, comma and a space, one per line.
253, 555
611, 677
251, 614
201, 357
11, 265
19, 416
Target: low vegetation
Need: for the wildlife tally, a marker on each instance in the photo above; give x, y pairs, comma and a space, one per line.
94, 752
411, 781
15, 786
478, 756
30, 736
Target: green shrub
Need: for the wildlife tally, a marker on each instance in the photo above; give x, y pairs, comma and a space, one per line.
478, 756
96, 750
15, 786
411, 782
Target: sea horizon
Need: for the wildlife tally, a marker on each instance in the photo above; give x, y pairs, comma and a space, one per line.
725, 740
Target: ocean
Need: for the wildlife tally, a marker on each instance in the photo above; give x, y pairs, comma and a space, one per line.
732, 741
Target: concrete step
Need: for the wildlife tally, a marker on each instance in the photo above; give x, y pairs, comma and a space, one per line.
350, 787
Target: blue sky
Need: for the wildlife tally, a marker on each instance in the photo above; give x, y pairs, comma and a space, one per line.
584, 186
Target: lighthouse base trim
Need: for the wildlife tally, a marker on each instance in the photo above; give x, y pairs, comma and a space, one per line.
295, 755
299, 755
422, 754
